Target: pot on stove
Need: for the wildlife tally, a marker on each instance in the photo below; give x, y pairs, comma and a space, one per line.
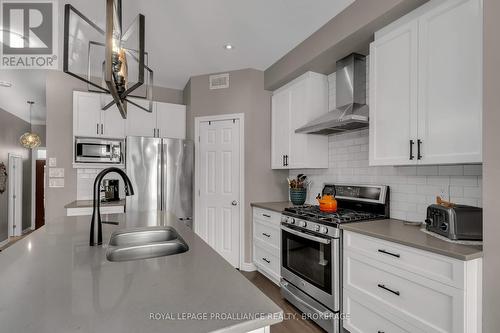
327, 203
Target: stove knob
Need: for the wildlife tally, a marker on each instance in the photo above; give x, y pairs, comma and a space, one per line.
302, 224
292, 220
316, 228
324, 230
284, 219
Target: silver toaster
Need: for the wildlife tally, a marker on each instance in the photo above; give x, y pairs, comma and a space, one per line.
459, 222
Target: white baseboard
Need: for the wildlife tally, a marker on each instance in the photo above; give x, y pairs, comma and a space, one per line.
5, 242
27, 229
248, 267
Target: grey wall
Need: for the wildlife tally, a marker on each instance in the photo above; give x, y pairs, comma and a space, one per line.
59, 99
491, 166
246, 95
350, 31
11, 128
41, 131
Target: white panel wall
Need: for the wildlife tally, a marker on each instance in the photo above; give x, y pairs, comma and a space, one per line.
413, 188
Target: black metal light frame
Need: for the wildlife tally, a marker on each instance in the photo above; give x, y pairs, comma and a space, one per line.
122, 99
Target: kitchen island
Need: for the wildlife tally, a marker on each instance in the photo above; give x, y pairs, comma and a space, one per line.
54, 282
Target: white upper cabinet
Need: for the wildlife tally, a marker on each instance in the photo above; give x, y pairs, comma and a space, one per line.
90, 120
171, 120
86, 114
140, 122
280, 128
112, 121
426, 86
450, 83
393, 96
294, 105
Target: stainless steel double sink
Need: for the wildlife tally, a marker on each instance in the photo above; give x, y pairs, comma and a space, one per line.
144, 243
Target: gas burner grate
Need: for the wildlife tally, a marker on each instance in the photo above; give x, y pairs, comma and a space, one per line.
313, 213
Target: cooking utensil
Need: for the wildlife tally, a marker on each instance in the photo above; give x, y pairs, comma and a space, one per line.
327, 203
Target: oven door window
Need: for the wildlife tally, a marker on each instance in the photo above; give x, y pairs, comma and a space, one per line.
308, 259
93, 150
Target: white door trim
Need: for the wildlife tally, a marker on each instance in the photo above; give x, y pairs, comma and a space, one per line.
197, 121
11, 208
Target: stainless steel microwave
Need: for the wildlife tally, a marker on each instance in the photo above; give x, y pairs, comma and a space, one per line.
98, 151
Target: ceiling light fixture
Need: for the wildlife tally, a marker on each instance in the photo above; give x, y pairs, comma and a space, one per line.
30, 139
228, 47
110, 60
5, 84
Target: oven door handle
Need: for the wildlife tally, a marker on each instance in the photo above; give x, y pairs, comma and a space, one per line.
322, 314
307, 236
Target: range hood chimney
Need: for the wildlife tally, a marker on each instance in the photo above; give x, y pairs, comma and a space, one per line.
351, 111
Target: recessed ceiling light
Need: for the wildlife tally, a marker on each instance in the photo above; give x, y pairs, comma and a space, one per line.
5, 84
228, 47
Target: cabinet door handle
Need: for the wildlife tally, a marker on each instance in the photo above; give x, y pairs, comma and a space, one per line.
419, 155
158, 132
388, 289
266, 260
154, 132
267, 235
266, 215
97, 129
286, 160
102, 129
411, 149
389, 253
283, 158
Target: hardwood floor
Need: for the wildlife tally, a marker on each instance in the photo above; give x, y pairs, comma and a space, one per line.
293, 322
14, 239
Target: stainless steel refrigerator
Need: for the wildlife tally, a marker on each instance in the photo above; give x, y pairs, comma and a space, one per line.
161, 171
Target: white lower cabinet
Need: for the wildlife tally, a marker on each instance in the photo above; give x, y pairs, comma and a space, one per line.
389, 287
266, 243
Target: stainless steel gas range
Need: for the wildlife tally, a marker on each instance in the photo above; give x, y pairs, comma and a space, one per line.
311, 245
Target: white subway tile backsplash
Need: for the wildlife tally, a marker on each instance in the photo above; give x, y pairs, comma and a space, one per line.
473, 170
413, 188
451, 170
427, 170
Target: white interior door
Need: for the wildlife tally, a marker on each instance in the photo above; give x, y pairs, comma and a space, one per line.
15, 195
219, 205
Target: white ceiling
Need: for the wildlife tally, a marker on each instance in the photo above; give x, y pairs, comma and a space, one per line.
186, 38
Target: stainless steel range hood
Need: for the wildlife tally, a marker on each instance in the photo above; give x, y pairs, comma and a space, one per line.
351, 111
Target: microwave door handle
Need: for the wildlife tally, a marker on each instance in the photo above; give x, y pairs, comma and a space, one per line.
306, 236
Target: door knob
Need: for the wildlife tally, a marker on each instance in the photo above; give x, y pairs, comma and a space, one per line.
234, 203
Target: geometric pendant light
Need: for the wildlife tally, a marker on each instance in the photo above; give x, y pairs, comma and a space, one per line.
112, 60
30, 139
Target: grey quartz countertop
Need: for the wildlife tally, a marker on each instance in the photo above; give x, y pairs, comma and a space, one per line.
54, 282
90, 203
398, 232
274, 206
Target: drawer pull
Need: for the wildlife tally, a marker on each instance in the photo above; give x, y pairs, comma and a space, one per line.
266, 260
380, 332
388, 289
389, 253
266, 215
267, 235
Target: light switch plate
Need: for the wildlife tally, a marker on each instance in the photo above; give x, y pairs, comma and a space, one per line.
56, 182
56, 172
52, 161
